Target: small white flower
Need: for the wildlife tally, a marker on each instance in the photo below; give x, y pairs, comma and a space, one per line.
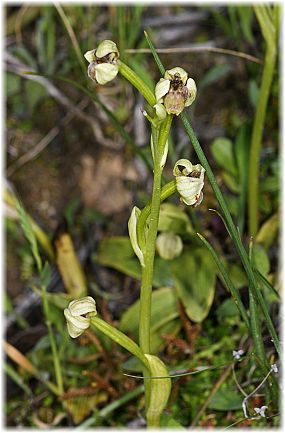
237, 354
78, 315
175, 91
261, 410
169, 245
274, 368
189, 181
132, 226
103, 62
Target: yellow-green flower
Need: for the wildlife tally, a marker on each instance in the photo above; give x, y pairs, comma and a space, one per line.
103, 65
175, 91
189, 181
78, 315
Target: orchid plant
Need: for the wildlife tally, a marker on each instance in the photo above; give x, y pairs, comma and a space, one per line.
173, 92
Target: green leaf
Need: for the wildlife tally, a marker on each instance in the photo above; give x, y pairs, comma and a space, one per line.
260, 259
167, 421
227, 309
225, 400
173, 219
117, 253
253, 91
163, 312
222, 151
195, 279
215, 73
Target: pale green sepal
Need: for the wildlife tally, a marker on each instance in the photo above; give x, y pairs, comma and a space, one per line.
75, 325
169, 245
90, 56
106, 47
161, 89
106, 72
81, 306
169, 75
132, 226
160, 390
192, 92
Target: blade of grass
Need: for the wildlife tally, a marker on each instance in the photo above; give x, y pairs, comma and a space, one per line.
228, 282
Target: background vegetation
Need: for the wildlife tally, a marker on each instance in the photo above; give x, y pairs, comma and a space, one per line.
78, 159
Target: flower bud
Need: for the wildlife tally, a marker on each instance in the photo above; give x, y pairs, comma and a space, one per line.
176, 91
132, 226
103, 62
78, 315
169, 245
189, 181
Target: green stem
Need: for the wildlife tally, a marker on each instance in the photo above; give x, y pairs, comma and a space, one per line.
120, 338
137, 82
258, 126
159, 142
55, 356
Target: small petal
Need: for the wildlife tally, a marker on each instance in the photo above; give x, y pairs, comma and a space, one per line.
169, 75
90, 56
160, 110
161, 89
274, 368
105, 72
169, 245
76, 325
106, 47
132, 226
192, 91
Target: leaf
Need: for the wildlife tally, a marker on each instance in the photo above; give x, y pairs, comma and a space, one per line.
195, 278
69, 266
173, 219
268, 231
253, 91
227, 309
215, 73
226, 400
222, 151
117, 253
260, 259
167, 421
163, 312
79, 407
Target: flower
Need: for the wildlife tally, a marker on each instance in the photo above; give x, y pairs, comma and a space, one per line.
78, 315
103, 65
132, 226
274, 368
261, 410
237, 354
176, 91
189, 181
169, 245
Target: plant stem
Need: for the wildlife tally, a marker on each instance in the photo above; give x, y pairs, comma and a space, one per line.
259, 119
137, 82
55, 356
159, 141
